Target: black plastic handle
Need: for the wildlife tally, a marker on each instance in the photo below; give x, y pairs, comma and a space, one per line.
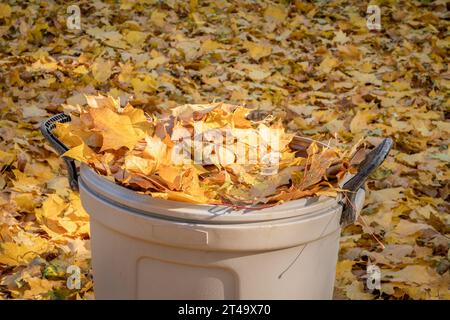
46, 128
371, 162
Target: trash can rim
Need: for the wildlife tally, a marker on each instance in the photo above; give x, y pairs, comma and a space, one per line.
203, 213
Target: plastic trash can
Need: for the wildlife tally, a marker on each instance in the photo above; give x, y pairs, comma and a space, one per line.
147, 248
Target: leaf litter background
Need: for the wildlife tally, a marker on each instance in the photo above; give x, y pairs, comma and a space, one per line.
315, 64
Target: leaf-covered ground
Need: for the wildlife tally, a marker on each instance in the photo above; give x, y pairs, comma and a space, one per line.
315, 64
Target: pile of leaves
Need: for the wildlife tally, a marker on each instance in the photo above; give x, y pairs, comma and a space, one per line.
238, 161
313, 64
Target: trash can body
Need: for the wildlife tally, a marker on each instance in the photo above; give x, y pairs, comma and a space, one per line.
146, 248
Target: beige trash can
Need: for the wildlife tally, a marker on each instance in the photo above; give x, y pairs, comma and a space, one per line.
147, 248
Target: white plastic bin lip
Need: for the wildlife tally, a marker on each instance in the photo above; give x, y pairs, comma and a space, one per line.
201, 213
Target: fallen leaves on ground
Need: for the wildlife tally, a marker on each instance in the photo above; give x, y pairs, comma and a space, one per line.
315, 65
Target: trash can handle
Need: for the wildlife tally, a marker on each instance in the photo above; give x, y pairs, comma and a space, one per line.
371, 162
46, 128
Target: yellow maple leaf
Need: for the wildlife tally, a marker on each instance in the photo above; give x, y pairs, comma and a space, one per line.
361, 120
102, 102
328, 64
102, 69
136, 38
239, 119
24, 250
144, 83
418, 274
275, 14
24, 201
156, 61
39, 288
158, 18
117, 130
23, 182
156, 149
139, 165
51, 208
170, 175
209, 46
81, 153
256, 50
81, 70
